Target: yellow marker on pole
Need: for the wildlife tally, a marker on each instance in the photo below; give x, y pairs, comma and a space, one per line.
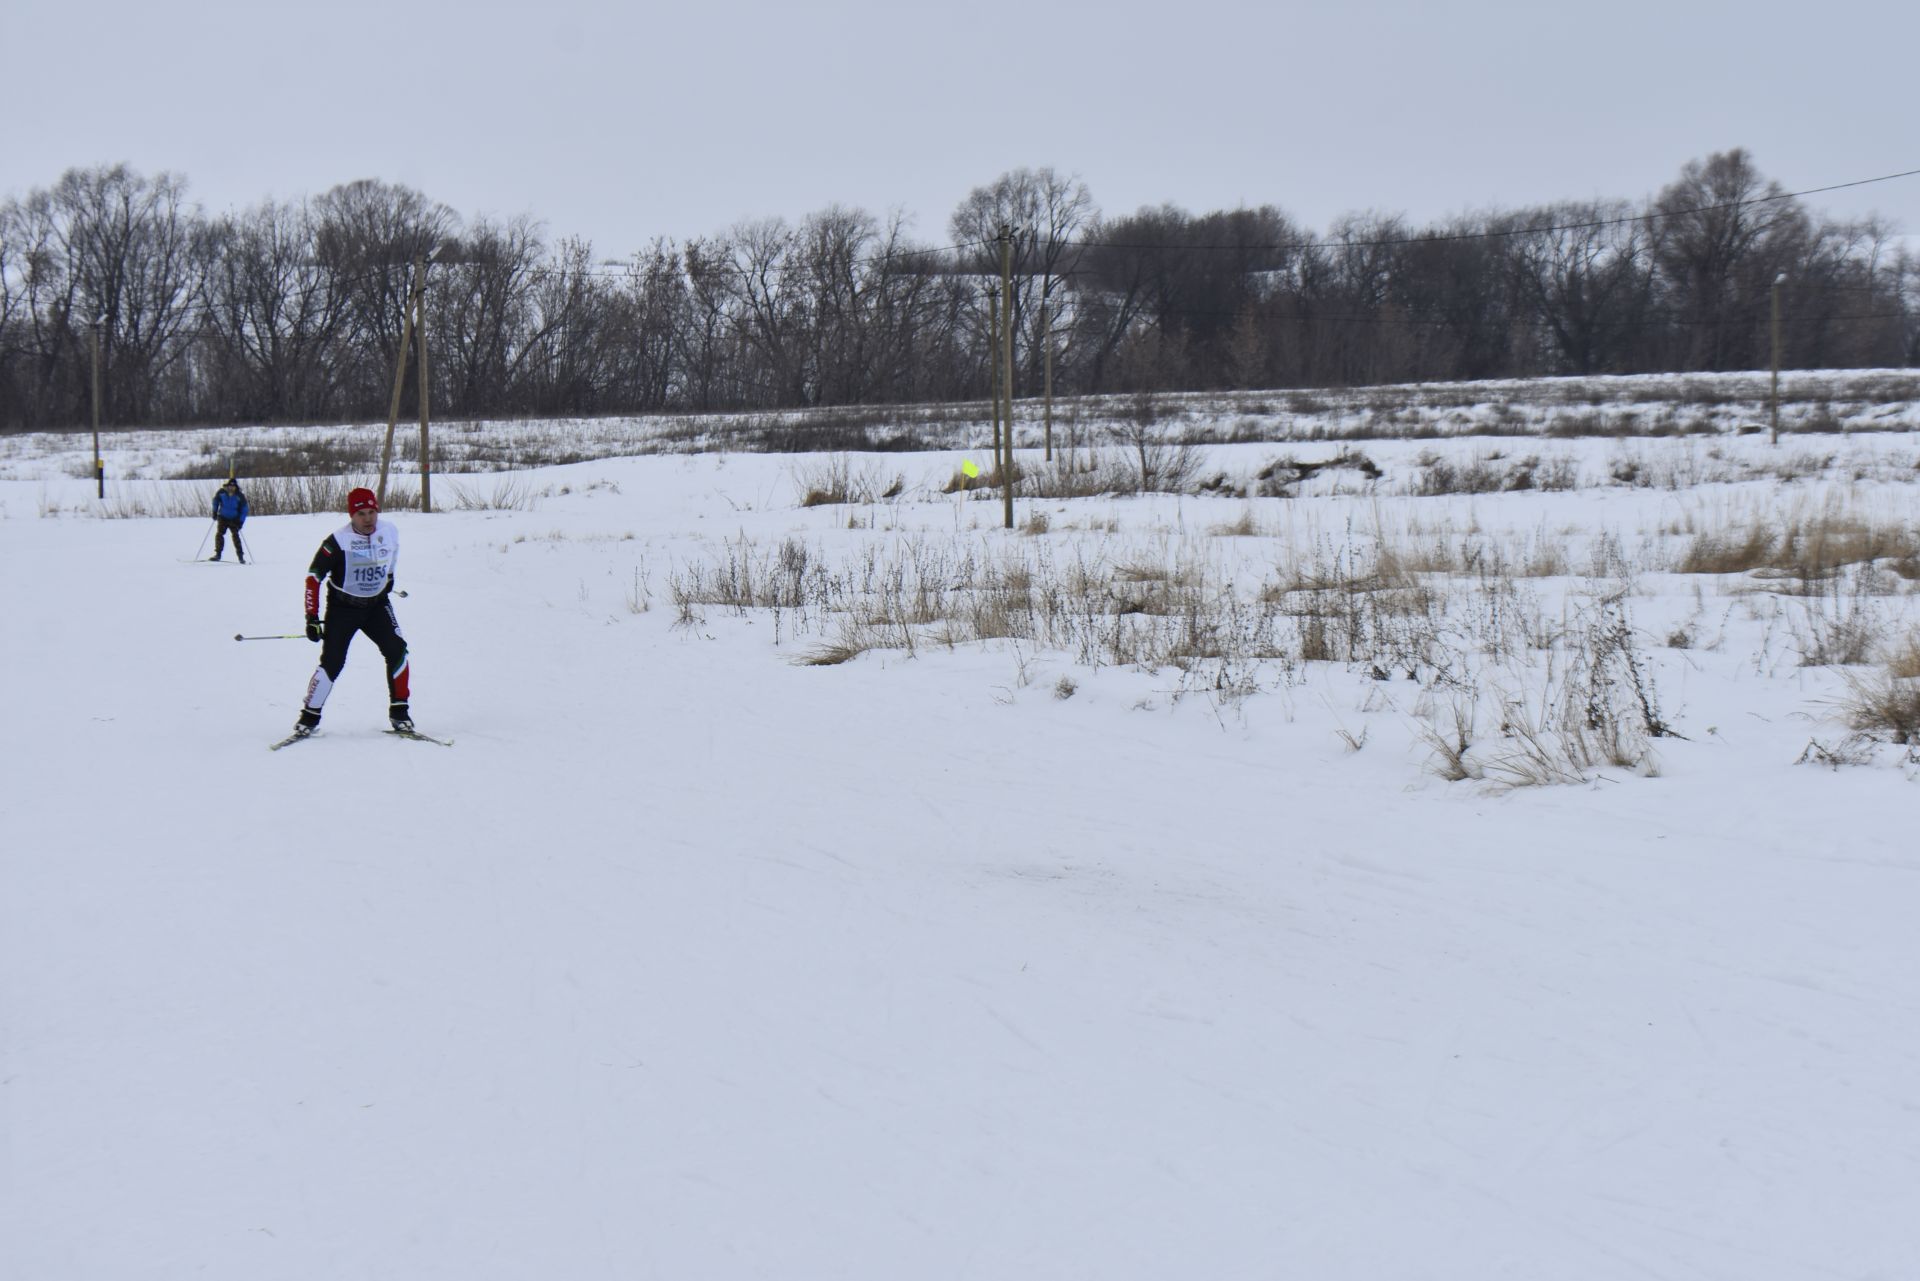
971, 468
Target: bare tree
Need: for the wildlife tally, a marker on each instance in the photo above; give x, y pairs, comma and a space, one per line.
274, 318
829, 266
44, 344
650, 313
1161, 464
772, 321
480, 312
706, 326
126, 245
1844, 292
1722, 233
1047, 212
15, 313
1586, 273
1121, 287
12, 290
368, 234
567, 360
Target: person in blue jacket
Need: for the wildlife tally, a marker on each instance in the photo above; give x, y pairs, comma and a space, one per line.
229, 513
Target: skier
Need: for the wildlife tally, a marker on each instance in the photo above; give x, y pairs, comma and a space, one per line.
356, 562
229, 513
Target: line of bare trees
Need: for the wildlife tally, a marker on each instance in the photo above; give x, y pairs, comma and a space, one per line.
292, 311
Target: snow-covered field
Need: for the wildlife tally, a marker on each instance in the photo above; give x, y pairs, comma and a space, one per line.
992, 959
1817, 403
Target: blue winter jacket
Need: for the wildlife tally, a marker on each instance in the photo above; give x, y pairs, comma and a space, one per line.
230, 505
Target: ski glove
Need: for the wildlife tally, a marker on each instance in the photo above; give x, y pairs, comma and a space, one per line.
315, 628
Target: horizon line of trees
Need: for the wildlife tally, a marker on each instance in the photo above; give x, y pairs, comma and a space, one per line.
292, 311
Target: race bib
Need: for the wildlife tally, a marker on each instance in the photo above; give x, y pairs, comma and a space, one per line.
369, 562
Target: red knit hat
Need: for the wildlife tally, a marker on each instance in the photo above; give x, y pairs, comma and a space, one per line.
362, 500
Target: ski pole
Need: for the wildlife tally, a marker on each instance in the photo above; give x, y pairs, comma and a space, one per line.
203, 540
289, 636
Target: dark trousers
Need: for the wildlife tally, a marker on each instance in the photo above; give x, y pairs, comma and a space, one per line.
223, 527
381, 627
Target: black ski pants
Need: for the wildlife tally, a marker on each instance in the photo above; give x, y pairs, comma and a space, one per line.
224, 525
382, 628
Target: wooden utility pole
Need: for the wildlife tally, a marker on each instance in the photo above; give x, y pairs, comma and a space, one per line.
1046, 338
1006, 338
400, 373
420, 357
99, 463
993, 364
1778, 281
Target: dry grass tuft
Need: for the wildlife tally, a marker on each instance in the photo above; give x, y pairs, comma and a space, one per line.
1738, 552
1903, 663
1245, 527
1083, 474
1884, 706
1480, 475
1451, 742
831, 654
836, 480
509, 493
1807, 548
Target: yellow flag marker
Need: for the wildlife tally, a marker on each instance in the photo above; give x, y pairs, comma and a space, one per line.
971, 468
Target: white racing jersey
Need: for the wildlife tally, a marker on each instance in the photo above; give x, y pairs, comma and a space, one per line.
358, 565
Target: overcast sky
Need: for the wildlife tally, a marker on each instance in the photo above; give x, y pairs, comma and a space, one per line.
624, 122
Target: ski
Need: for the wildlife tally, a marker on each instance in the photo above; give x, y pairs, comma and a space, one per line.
418, 737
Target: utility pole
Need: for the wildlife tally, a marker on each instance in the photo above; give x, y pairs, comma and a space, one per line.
420, 348
99, 463
1006, 337
1046, 338
400, 372
993, 364
1778, 281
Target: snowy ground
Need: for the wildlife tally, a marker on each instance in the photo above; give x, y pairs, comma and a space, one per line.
690, 962
1823, 404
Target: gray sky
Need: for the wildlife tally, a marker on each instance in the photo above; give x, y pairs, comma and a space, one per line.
620, 124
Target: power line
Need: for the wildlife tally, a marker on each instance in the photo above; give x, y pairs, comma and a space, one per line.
1502, 322
1299, 246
